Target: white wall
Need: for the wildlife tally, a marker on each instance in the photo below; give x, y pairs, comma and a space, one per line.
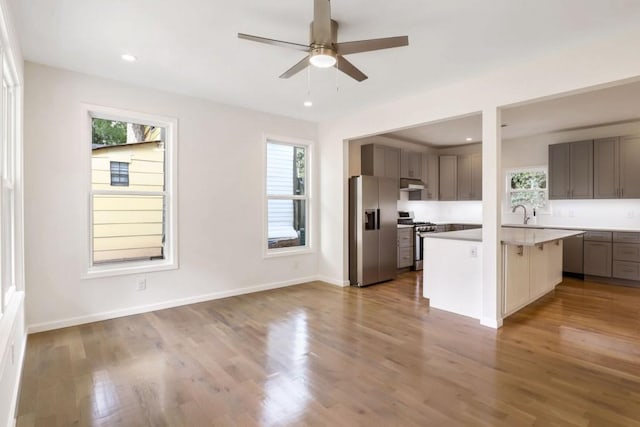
563, 71
220, 201
533, 151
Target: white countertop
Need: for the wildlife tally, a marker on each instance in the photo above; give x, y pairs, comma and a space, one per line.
405, 225
574, 227
529, 236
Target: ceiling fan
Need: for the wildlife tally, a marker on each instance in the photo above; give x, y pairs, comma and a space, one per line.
324, 50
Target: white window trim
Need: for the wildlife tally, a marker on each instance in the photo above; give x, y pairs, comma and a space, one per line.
170, 262
507, 194
296, 250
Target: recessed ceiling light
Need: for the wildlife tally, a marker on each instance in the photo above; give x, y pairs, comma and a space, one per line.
128, 57
308, 103
469, 139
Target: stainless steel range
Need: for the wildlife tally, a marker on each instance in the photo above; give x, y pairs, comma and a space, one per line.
420, 228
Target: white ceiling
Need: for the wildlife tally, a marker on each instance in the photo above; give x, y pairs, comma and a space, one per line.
190, 46
612, 105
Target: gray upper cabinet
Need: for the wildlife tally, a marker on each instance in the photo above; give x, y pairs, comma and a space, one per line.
448, 178
630, 167
380, 160
559, 186
411, 165
470, 177
616, 168
581, 178
606, 168
571, 170
429, 177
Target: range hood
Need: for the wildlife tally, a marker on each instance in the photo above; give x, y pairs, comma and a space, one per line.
408, 184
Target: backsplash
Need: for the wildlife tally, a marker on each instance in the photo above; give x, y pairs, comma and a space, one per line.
577, 213
470, 211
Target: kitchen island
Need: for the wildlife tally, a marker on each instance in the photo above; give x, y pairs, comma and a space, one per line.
531, 260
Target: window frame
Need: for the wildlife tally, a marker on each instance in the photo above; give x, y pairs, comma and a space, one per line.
507, 180
307, 197
10, 154
170, 261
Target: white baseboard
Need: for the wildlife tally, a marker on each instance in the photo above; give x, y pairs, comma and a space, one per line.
73, 321
13, 416
491, 322
334, 282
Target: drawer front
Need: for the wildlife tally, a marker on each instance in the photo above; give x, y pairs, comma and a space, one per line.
626, 252
626, 270
405, 238
626, 237
405, 257
598, 236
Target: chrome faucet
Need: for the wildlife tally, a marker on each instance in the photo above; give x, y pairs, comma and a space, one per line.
526, 218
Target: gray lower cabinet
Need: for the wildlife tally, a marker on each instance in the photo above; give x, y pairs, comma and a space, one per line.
573, 255
380, 160
626, 255
405, 247
571, 170
597, 258
598, 253
448, 178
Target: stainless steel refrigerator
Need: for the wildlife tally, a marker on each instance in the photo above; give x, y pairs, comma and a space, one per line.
373, 230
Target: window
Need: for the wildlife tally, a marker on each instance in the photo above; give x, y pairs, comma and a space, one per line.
287, 196
528, 186
120, 174
8, 154
132, 218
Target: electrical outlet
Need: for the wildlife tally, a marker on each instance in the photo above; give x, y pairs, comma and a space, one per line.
141, 284
630, 214
473, 253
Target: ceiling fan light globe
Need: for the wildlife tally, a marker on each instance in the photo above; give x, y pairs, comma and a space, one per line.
322, 57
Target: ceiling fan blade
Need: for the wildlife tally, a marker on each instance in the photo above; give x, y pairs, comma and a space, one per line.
273, 42
347, 48
321, 25
350, 70
304, 63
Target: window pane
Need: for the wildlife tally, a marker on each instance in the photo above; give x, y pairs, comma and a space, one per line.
127, 154
127, 228
286, 220
536, 198
286, 168
528, 180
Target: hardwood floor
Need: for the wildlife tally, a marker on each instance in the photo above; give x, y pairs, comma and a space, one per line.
319, 355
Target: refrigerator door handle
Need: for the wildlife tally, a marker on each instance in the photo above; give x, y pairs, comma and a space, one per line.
378, 219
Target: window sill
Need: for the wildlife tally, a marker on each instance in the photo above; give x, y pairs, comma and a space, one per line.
129, 268
274, 253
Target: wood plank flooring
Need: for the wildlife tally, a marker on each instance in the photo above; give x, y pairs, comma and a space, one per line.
314, 355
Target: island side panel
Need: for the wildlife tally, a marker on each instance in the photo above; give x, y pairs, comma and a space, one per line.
453, 276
